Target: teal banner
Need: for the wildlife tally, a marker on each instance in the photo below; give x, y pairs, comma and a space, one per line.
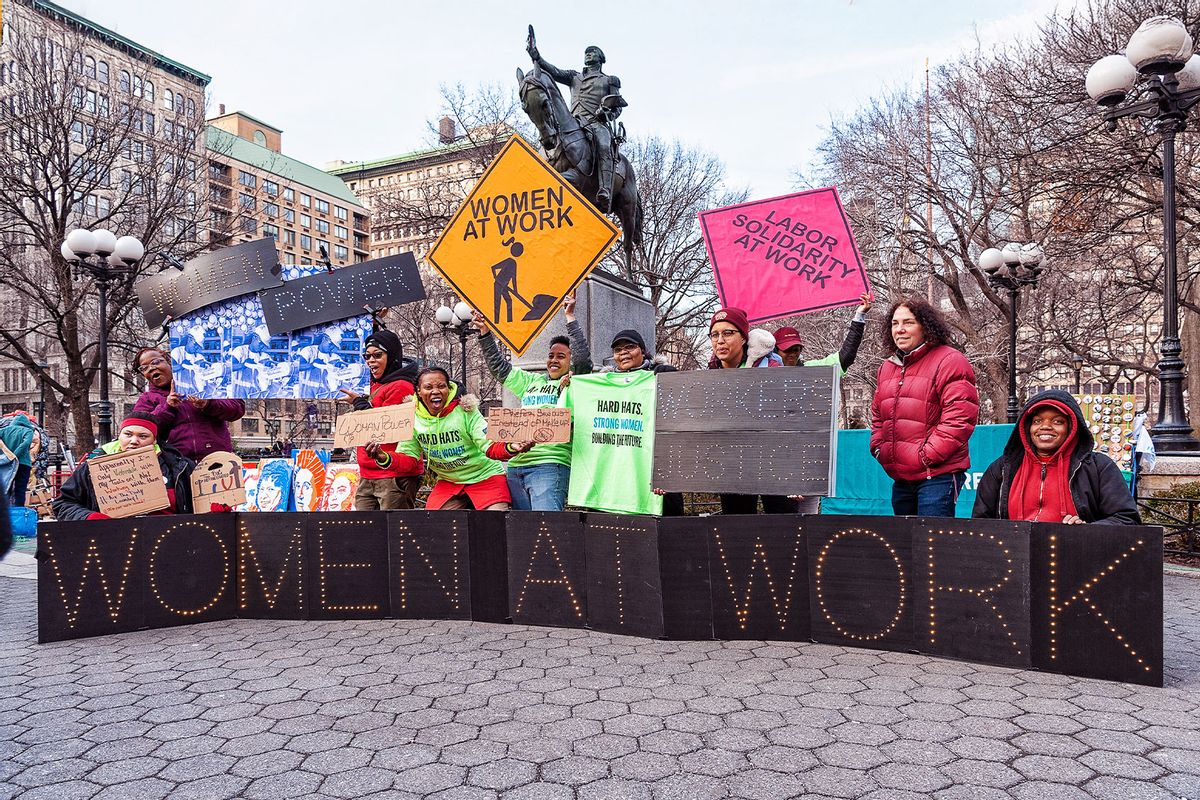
864, 488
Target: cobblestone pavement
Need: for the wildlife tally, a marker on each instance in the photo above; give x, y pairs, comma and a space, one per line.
390, 709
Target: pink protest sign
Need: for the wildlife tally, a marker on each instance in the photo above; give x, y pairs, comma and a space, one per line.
784, 256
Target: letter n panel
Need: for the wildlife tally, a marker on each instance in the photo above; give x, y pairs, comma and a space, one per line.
547, 580
272, 579
624, 587
347, 564
971, 587
860, 581
429, 557
90, 578
1098, 601
759, 570
190, 568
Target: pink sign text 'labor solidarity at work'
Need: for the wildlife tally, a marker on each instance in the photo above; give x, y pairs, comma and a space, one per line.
785, 255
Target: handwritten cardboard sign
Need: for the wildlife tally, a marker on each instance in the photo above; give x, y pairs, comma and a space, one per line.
330, 296
207, 279
386, 425
217, 479
542, 425
784, 256
521, 241
128, 483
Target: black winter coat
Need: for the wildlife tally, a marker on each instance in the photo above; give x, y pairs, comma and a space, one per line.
1098, 488
77, 498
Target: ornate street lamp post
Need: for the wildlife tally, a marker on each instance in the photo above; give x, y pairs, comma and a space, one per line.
457, 321
1011, 268
1158, 79
1077, 366
105, 258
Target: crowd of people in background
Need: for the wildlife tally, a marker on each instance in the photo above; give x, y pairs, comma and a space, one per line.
923, 412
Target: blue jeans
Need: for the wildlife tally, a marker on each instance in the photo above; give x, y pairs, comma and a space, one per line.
932, 497
541, 487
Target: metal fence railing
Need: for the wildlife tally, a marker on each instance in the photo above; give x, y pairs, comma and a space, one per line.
1180, 520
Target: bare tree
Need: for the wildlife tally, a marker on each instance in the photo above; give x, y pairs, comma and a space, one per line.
78, 154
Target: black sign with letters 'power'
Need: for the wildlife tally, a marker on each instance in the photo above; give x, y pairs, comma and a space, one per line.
341, 293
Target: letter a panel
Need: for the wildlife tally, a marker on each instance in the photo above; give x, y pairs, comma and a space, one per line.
522, 240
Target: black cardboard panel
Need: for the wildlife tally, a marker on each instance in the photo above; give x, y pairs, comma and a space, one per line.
272, 566
90, 578
624, 587
1098, 601
759, 569
341, 293
971, 586
430, 557
860, 581
347, 564
547, 579
489, 564
190, 568
683, 560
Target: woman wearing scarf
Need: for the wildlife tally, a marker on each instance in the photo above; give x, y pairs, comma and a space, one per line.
1050, 473
389, 479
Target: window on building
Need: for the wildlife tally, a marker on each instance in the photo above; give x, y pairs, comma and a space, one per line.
289, 194
323, 227
322, 206
289, 215
340, 252
191, 108
340, 213
322, 243
305, 200
102, 72
247, 179
305, 221
247, 202
149, 123
89, 67
305, 242
271, 209
123, 82
270, 187
168, 100
249, 225
168, 130
341, 232
270, 230
289, 237
260, 138
306, 261
149, 87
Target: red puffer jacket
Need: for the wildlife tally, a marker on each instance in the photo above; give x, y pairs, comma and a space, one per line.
923, 413
389, 394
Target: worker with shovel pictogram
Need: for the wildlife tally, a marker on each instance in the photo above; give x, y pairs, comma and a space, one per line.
504, 274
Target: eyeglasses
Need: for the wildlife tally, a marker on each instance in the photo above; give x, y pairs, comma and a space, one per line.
625, 347
720, 336
146, 369
374, 355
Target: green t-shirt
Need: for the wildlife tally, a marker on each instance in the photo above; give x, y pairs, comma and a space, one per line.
455, 446
612, 444
535, 389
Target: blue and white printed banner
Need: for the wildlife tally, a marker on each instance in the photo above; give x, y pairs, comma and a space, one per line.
225, 350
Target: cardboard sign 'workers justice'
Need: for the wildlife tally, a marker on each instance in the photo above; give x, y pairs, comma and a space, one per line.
784, 256
522, 241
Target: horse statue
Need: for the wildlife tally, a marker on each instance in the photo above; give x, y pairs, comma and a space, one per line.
569, 149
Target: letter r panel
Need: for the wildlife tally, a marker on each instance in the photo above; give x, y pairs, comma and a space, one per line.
860, 581
971, 590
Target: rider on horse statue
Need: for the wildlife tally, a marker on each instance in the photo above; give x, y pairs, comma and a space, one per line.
595, 101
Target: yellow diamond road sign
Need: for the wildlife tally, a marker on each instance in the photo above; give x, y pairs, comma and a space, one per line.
521, 242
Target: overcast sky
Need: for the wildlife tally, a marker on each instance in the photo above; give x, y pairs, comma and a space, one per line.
755, 83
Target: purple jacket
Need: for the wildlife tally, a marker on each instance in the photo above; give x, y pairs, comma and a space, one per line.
189, 430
